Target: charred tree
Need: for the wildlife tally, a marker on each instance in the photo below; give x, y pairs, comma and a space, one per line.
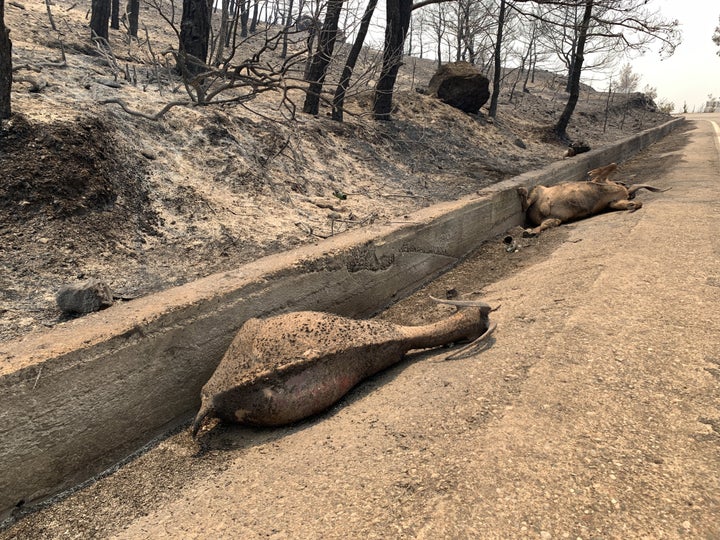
194, 34
5, 65
531, 67
233, 21
224, 33
498, 67
560, 128
524, 59
288, 24
254, 20
244, 17
100, 18
115, 14
321, 58
398, 22
339, 99
133, 10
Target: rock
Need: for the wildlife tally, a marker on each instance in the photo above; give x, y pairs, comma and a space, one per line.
86, 297
460, 85
305, 22
577, 148
639, 100
110, 83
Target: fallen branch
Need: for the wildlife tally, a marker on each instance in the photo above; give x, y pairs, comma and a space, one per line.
31, 67
307, 229
325, 206
35, 84
370, 218
50, 16
37, 378
38, 67
110, 84
104, 49
155, 116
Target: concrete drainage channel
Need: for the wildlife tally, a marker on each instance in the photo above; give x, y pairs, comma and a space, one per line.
79, 398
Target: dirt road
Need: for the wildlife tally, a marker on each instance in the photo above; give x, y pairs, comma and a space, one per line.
595, 412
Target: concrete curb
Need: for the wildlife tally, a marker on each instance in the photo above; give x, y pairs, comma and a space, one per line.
77, 399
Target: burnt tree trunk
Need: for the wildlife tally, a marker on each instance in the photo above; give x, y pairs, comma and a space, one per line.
286, 31
398, 22
115, 14
523, 64
560, 128
339, 99
234, 19
531, 69
254, 20
5, 65
133, 9
244, 17
312, 32
195, 34
100, 18
224, 33
439, 54
498, 66
571, 67
321, 58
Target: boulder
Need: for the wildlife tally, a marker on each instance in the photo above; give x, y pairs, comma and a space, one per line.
305, 23
639, 100
460, 85
86, 297
577, 148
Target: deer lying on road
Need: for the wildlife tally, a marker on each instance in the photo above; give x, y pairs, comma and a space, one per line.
547, 207
287, 367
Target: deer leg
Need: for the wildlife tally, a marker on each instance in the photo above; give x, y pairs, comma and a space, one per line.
523, 193
546, 224
625, 204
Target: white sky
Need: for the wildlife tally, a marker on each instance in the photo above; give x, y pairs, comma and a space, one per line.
693, 71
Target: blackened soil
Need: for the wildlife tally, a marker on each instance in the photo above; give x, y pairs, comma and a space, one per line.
63, 169
68, 195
